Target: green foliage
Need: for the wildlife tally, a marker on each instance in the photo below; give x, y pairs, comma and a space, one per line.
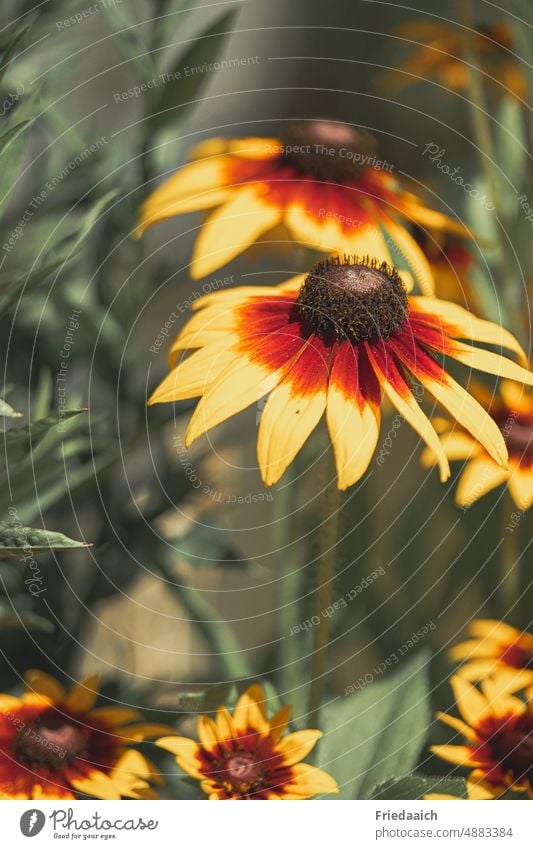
16, 539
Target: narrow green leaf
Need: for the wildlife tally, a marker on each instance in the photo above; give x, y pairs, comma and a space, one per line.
181, 92
12, 156
7, 52
376, 734
16, 539
126, 28
16, 442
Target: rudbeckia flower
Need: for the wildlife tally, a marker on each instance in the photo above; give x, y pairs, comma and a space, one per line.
441, 56
332, 342
55, 744
247, 756
498, 729
513, 413
323, 182
495, 647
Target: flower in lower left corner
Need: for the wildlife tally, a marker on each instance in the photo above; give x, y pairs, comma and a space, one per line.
247, 756
55, 744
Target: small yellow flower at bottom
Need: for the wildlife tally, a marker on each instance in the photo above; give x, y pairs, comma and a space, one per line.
244, 755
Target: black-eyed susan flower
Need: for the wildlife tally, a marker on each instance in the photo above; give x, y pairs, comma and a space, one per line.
498, 729
55, 744
244, 755
440, 56
495, 647
330, 343
512, 410
323, 182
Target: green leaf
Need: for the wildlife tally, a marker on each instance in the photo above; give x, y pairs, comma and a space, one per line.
511, 150
126, 31
16, 539
376, 734
7, 52
17, 441
181, 93
7, 410
14, 147
417, 786
8, 135
61, 253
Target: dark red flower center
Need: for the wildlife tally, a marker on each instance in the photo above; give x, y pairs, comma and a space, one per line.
512, 746
517, 430
352, 299
52, 740
518, 657
328, 150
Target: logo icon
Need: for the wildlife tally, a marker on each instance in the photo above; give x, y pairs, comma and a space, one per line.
32, 822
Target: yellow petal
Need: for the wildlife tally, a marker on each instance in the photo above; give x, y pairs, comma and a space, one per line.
81, 698
236, 388
521, 486
480, 476
413, 254
96, 784
225, 726
207, 732
186, 752
476, 648
469, 326
287, 420
472, 704
470, 414
143, 731
43, 684
198, 185
499, 700
460, 755
231, 229
408, 407
311, 781
490, 363
458, 724
516, 397
296, 746
279, 722
457, 446
112, 717
249, 711
195, 374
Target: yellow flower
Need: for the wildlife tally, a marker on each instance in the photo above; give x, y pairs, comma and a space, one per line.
513, 412
498, 729
322, 182
495, 647
474, 790
451, 263
330, 343
246, 756
440, 55
54, 744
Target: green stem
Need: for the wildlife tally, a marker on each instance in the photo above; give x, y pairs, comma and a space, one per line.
508, 310
326, 563
284, 521
509, 562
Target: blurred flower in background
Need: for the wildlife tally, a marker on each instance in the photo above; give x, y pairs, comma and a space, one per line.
495, 647
247, 756
440, 56
55, 744
323, 181
512, 410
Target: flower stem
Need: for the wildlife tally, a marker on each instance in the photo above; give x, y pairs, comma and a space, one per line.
326, 562
283, 534
510, 578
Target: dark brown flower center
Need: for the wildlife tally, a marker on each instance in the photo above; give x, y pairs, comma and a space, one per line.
517, 431
328, 150
513, 747
518, 657
352, 299
52, 741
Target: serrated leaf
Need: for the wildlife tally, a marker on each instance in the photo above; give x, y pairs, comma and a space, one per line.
16, 538
16, 442
7, 410
417, 786
376, 734
180, 94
